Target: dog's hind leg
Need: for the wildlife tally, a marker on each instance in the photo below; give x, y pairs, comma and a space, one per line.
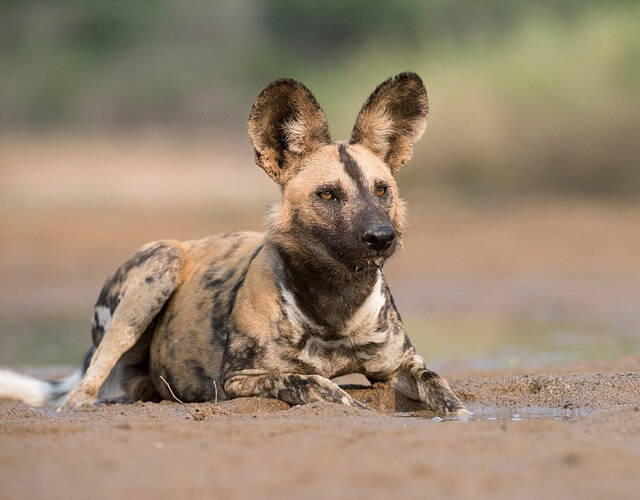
148, 280
291, 388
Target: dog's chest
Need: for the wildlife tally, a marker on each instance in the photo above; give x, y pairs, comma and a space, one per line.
364, 338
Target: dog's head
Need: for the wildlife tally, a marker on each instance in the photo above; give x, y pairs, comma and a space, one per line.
340, 203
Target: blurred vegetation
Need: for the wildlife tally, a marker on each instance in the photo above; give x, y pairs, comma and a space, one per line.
526, 96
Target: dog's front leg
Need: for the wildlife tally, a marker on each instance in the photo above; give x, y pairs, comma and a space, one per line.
292, 388
414, 380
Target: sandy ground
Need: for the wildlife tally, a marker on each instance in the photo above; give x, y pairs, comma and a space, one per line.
557, 436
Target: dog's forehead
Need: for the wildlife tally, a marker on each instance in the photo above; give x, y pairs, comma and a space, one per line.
322, 165
334, 163
372, 167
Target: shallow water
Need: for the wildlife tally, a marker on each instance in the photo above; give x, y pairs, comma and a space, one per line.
530, 412
496, 413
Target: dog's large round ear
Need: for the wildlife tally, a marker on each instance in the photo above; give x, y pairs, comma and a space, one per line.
393, 119
285, 124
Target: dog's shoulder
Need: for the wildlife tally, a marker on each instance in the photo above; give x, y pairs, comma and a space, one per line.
214, 271
224, 247
258, 301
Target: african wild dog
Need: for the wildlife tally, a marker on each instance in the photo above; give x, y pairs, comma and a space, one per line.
275, 314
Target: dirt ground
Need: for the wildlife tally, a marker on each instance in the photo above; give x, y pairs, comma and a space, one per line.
557, 436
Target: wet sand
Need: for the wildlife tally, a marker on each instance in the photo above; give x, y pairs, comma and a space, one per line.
541, 435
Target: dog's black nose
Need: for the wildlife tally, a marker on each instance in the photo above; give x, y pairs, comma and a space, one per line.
379, 237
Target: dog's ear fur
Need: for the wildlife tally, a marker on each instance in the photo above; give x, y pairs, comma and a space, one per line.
285, 124
393, 119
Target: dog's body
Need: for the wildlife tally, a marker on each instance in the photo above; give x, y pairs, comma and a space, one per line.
278, 314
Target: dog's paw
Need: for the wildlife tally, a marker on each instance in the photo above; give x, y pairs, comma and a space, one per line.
119, 400
463, 413
78, 400
357, 404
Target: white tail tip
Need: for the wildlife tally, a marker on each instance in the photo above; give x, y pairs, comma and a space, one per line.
34, 392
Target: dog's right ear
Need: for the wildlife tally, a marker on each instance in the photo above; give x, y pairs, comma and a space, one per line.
285, 124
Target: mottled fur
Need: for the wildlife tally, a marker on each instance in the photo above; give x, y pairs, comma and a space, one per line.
279, 314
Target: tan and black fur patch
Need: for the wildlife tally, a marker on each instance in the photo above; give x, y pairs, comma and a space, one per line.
278, 314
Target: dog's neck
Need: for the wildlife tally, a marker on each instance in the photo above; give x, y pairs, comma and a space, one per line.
325, 296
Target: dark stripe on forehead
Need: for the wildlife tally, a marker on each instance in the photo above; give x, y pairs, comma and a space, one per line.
351, 167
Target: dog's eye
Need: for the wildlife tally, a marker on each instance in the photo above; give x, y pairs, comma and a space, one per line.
326, 195
381, 190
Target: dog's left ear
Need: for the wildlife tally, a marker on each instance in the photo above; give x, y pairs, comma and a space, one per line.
393, 119
285, 124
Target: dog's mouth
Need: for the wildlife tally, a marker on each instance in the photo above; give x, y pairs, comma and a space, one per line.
370, 264
370, 260
376, 260
362, 264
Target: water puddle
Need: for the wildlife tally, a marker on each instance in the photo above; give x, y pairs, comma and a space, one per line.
497, 413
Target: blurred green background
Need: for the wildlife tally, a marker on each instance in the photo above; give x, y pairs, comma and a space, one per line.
125, 121
542, 95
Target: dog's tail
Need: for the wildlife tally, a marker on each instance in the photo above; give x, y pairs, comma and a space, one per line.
35, 392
